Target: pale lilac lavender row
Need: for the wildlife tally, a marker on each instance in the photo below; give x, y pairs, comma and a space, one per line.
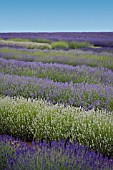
58, 72
63, 58
87, 96
17, 155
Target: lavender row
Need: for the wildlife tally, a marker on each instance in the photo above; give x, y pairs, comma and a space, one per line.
87, 96
58, 72
60, 57
12, 46
26, 44
97, 38
103, 51
16, 155
98, 50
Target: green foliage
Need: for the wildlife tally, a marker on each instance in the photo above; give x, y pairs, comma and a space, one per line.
76, 44
19, 39
69, 44
41, 120
41, 40
29, 40
59, 45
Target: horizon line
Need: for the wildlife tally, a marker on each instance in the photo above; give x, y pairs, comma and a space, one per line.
51, 31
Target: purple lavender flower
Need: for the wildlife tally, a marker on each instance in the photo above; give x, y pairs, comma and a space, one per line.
58, 72
79, 94
55, 157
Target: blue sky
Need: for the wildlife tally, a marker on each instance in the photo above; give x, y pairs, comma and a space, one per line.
56, 16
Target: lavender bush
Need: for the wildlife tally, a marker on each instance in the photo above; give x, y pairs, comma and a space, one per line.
16, 155
40, 120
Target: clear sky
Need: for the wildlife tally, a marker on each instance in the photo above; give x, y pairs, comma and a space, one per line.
56, 16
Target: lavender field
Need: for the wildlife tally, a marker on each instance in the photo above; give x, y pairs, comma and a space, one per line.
56, 101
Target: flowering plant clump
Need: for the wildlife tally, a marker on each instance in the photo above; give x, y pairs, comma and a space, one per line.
58, 72
88, 96
39, 120
16, 155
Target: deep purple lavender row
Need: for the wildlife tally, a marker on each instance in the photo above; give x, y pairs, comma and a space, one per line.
97, 38
16, 155
86, 95
57, 72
